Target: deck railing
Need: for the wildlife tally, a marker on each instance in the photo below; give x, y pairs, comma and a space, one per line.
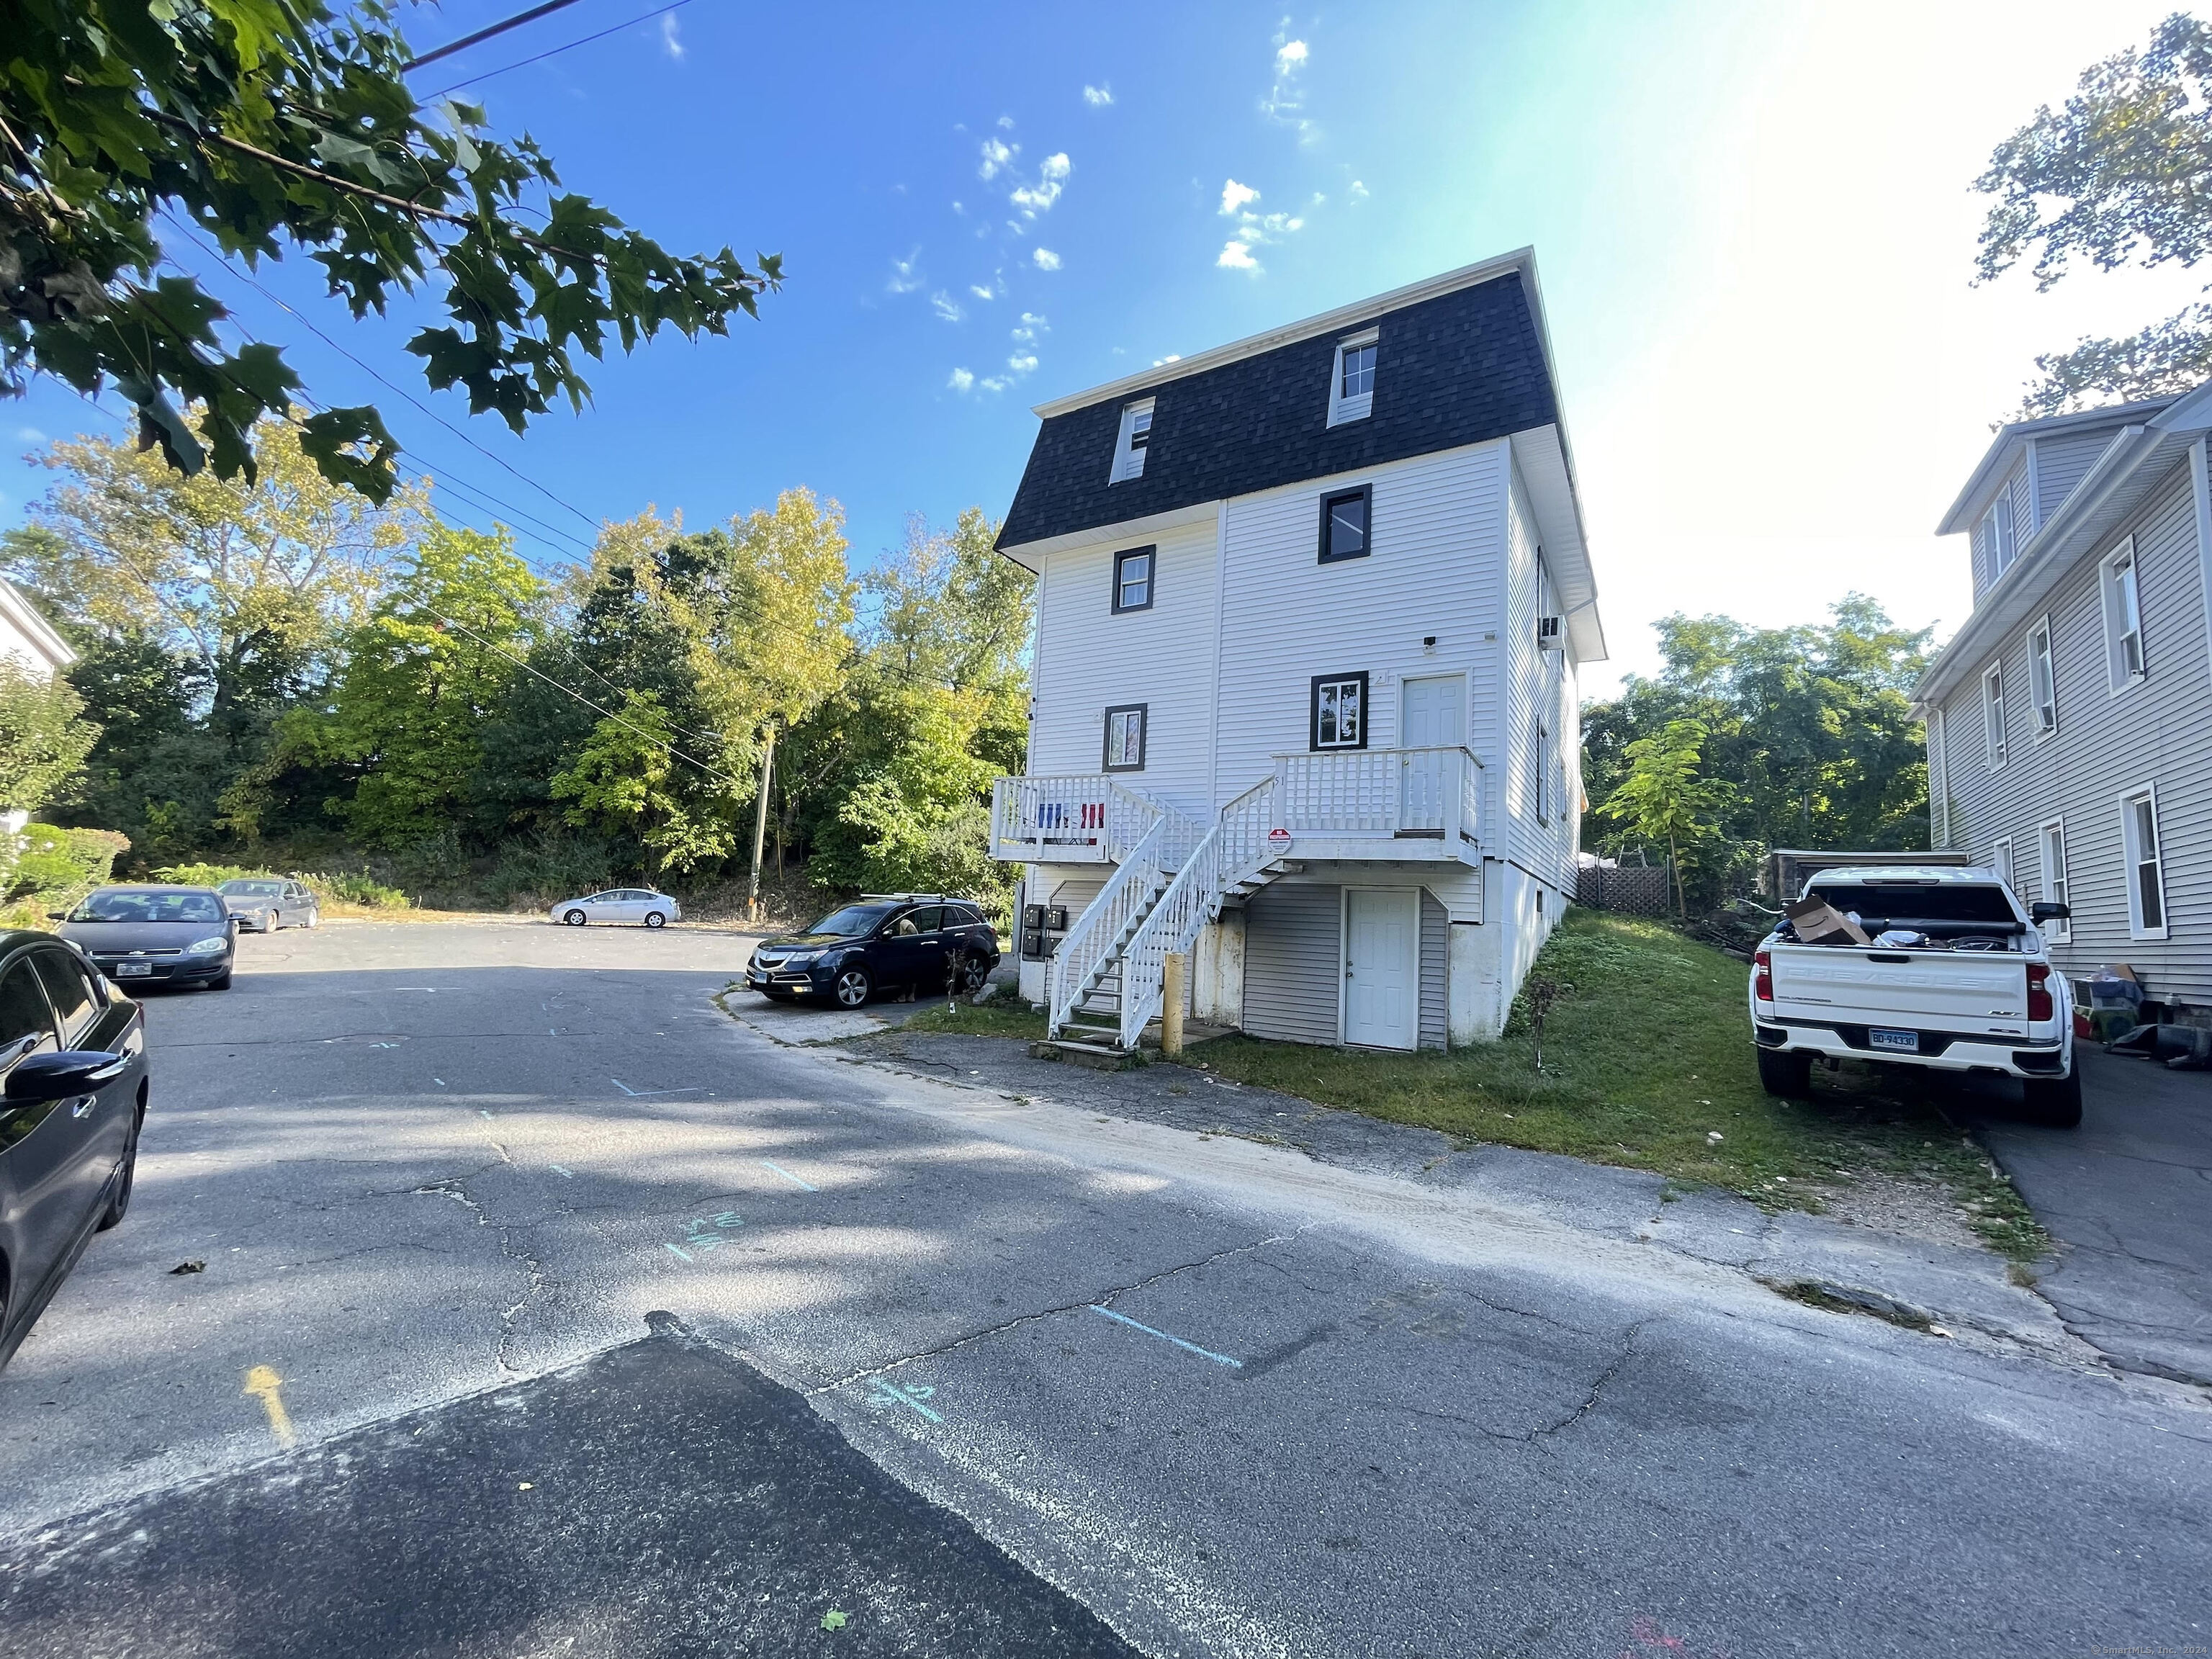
1433, 790
1089, 947
1088, 818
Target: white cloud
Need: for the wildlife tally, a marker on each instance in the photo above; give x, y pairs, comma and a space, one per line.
1234, 196
30, 435
962, 380
981, 292
946, 307
1031, 326
1357, 192
998, 155
1099, 97
1285, 101
1236, 255
1253, 229
1052, 179
906, 274
1007, 122
997, 383
672, 41
1045, 259
1021, 362
1172, 357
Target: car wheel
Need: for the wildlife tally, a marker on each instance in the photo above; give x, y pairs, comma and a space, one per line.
315, 918
124, 1179
654, 918
853, 986
1789, 1076
575, 918
974, 970
275, 922
2054, 1100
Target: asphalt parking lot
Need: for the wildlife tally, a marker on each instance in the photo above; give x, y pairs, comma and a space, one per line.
544, 1309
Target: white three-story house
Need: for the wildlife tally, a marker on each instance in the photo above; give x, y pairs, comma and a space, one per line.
1310, 609
2069, 720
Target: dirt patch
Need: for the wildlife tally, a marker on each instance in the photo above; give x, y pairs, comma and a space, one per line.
1902, 1205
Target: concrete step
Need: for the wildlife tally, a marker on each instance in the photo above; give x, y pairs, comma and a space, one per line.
1095, 1056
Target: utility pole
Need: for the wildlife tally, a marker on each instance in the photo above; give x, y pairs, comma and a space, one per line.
760, 825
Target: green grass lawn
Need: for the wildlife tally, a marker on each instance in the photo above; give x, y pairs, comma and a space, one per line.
1004, 1016
1648, 1063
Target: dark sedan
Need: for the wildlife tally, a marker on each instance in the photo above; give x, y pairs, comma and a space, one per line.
72, 1100
924, 940
155, 935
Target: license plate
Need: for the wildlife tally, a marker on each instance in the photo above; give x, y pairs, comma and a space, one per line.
1901, 1042
133, 970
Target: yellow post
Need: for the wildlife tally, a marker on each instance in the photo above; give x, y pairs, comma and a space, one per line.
1171, 995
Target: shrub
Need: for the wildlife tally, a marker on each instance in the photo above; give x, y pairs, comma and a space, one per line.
350, 887
204, 875
58, 860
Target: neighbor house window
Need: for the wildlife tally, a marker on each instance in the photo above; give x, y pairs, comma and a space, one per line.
2042, 680
1543, 773
2001, 860
1132, 579
2124, 642
2146, 878
2052, 836
1352, 383
1339, 711
1125, 737
1993, 714
1997, 524
1344, 524
1136, 437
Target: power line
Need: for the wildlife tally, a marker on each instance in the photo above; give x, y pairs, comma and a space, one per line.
468, 41
469, 80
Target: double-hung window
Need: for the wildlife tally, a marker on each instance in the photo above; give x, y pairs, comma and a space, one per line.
1125, 737
2000, 858
2042, 679
1993, 714
2145, 872
1351, 378
1339, 711
1344, 524
1132, 579
2124, 642
1997, 531
1543, 775
2052, 837
1135, 439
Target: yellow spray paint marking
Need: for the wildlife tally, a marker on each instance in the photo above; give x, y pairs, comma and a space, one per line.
264, 1381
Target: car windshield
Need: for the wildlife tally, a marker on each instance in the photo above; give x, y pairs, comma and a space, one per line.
251, 889
1899, 904
852, 921
126, 906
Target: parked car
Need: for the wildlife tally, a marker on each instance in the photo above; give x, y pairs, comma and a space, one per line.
72, 1098
264, 903
155, 935
1954, 976
620, 904
925, 940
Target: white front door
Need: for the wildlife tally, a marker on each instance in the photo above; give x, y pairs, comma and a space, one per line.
1434, 710
1382, 967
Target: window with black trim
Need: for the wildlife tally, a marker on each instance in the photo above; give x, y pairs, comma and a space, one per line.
1132, 579
1351, 378
1344, 524
1125, 737
1339, 711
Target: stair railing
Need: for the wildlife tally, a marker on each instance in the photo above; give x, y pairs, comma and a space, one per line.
1095, 938
1234, 848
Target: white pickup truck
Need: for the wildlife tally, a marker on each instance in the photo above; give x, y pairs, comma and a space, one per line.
1956, 978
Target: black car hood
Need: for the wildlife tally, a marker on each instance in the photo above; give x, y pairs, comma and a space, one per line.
806, 941
104, 936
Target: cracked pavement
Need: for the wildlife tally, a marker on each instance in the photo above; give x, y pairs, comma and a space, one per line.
678, 1372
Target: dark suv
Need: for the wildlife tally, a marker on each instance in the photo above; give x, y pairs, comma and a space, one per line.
922, 939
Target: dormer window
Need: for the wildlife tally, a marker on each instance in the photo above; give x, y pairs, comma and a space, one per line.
1998, 526
1352, 383
1136, 437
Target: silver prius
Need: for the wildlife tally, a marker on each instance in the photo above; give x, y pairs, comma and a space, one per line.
641, 904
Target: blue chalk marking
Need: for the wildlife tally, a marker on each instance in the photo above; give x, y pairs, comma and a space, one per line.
910, 1395
787, 1175
671, 1248
565, 1175
1203, 1354
440, 1081
640, 1094
482, 1113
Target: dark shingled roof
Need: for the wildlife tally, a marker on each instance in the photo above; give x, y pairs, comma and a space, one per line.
1461, 368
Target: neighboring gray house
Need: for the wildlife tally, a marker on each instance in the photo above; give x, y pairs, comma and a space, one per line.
2069, 721
1310, 609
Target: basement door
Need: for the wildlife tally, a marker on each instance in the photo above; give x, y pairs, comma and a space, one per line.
1381, 967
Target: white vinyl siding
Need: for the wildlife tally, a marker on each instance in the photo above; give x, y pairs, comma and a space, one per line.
1089, 660
1435, 970
2061, 459
2106, 748
1294, 963
1539, 781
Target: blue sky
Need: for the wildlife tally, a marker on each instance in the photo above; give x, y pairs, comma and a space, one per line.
1751, 221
